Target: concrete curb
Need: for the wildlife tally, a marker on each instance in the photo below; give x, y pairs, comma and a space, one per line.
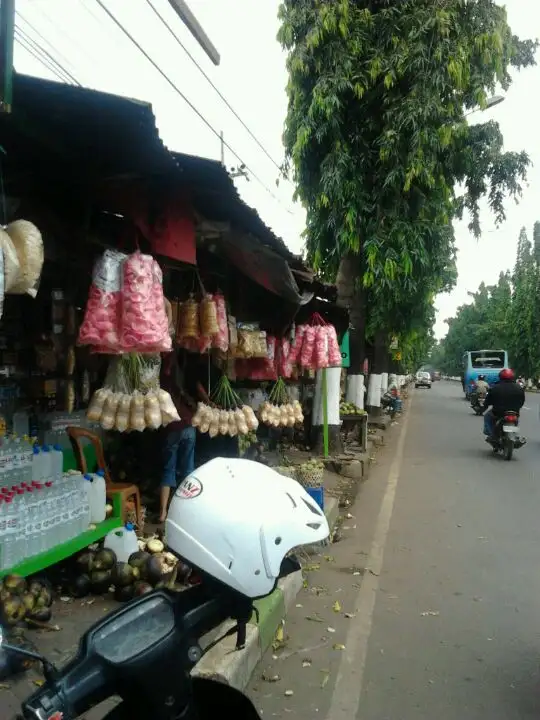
235, 667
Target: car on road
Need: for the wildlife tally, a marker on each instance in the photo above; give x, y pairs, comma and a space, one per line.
435, 375
423, 379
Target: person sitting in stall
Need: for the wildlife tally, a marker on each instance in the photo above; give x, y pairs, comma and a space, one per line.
178, 443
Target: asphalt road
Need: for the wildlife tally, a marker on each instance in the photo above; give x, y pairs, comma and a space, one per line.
429, 607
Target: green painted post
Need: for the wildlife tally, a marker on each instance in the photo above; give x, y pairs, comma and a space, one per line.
325, 412
7, 32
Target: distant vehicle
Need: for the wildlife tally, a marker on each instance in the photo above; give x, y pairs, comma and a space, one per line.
423, 379
435, 375
482, 362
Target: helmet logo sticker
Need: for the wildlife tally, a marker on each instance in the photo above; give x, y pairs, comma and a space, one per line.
189, 488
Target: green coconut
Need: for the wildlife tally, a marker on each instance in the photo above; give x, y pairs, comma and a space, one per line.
14, 584
124, 574
85, 561
124, 594
12, 611
29, 601
105, 559
100, 581
80, 586
138, 560
40, 614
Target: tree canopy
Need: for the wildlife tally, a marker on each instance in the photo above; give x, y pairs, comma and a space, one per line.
502, 316
379, 146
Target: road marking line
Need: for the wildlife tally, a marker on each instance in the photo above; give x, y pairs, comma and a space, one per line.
349, 681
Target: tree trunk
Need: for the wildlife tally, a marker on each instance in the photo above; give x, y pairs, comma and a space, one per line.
333, 386
351, 295
380, 355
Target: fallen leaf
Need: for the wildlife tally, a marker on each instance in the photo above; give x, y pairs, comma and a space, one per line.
270, 678
39, 683
350, 615
339, 646
312, 568
325, 680
329, 558
337, 607
314, 618
279, 636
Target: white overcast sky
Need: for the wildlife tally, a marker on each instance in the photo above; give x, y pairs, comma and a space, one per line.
252, 77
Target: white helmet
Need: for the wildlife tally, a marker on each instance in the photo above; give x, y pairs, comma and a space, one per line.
237, 519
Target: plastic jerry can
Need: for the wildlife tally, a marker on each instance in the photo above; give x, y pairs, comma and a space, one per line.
123, 542
98, 498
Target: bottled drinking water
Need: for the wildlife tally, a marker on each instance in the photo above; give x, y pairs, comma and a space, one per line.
10, 536
46, 465
36, 463
32, 534
8, 461
28, 460
57, 462
22, 540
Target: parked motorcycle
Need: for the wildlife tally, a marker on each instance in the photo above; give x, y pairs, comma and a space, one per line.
478, 403
144, 651
506, 438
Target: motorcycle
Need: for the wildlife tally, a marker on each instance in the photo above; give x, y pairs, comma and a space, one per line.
391, 403
506, 439
478, 403
144, 652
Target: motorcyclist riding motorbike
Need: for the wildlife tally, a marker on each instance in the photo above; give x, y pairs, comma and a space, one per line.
482, 387
503, 397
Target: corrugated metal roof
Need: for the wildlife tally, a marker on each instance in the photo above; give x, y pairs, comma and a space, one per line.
108, 135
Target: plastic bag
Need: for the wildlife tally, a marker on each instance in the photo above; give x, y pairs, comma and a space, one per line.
308, 346
188, 320
102, 315
11, 262
29, 247
208, 316
145, 326
221, 339
320, 355
334, 351
296, 344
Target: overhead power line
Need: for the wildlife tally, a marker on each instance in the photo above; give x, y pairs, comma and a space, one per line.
21, 40
187, 100
55, 66
48, 53
205, 75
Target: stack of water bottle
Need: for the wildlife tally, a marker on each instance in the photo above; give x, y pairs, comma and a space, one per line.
40, 505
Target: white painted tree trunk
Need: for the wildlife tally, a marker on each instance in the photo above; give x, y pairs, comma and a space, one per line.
384, 383
356, 390
374, 391
333, 378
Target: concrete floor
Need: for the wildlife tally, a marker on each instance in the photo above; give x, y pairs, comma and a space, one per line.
429, 607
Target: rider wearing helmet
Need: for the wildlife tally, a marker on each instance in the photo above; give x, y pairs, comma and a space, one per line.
505, 396
482, 387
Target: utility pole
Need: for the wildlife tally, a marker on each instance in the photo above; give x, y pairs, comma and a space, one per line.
7, 32
193, 25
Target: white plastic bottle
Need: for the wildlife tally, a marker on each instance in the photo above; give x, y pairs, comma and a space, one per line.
3, 480
8, 461
10, 536
22, 511
123, 542
46, 465
84, 495
98, 498
36, 463
64, 504
57, 456
31, 534
3, 565
16, 459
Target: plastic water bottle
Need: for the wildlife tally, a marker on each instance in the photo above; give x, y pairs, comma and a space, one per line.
63, 504
98, 498
28, 459
47, 471
8, 461
3, 565
123, 542
15, 460
2, 463
57, 463
31, 532
22, 511
10, 537
36, 463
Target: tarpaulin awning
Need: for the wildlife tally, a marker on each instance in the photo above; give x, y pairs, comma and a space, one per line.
263, 266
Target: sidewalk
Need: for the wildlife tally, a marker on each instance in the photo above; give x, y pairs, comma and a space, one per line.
223, 662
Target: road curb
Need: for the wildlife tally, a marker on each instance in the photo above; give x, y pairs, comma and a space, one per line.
235, 667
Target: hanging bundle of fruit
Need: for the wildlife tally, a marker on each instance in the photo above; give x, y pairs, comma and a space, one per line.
228, 416
278, 411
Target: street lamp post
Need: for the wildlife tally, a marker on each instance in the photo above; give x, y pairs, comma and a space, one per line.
193, 25
490, 102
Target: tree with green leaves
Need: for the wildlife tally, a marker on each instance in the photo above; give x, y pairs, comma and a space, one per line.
377, 140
